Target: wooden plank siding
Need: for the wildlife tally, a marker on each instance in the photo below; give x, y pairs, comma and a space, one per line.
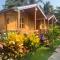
13, 22
10, 19
2, 23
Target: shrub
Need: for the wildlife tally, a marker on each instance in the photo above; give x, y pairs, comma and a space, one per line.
19, 44
32, 41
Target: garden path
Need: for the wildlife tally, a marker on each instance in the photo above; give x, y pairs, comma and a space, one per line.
55, 55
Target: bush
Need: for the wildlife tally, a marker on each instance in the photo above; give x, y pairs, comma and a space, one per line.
32, 41
19, 44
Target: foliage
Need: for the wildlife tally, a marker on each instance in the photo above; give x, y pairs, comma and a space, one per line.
48, 8
41, 53
19, 38
53, 34
12, 3
32, 41
57, 13
19, 44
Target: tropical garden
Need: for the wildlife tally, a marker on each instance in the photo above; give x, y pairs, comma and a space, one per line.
20, 46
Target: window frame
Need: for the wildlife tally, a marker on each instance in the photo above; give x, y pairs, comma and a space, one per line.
21, 21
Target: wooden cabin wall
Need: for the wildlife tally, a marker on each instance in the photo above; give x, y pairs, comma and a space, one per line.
31, 24
28, 24
25, 23
2, 23
11, 21
12, 17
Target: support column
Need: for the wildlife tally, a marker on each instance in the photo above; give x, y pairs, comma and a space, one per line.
18, 21
5, 22
53, 32
44, 25
52, 24
48, 25
44, 21
35, 17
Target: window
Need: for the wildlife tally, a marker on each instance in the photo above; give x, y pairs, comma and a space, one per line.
21, 22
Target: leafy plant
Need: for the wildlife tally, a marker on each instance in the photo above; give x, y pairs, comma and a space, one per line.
32, 41
19, 44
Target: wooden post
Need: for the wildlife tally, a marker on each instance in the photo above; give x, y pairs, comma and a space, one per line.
48, 28
44, 21
48, 25
5, 21
53, 32
52, 24
35, 17
18, 21
44, 25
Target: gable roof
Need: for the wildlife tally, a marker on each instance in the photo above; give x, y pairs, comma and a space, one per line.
31, 6
48, 17
52, 16
25, 7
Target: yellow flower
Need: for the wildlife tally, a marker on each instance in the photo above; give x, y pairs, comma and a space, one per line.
11, 36
11, 42
20, 38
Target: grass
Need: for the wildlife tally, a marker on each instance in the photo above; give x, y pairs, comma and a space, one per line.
41, 53
56, 43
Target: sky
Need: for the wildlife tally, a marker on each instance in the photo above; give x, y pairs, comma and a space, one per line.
2, 2
53, 2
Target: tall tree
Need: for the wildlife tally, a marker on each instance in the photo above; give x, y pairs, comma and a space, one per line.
48, 8
35, 1
57, 13
12, 3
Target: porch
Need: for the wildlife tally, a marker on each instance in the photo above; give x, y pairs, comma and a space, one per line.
33, 20
25, 19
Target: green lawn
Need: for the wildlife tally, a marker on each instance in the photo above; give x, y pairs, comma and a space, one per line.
41, 53
56, 43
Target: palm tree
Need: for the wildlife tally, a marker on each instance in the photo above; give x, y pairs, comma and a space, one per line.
36, 1
48, 8
57, 13
11, 3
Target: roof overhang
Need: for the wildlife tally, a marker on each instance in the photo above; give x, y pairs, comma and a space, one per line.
53, 16
32, 6
26, 7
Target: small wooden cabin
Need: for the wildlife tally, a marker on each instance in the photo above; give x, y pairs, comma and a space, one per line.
26, 19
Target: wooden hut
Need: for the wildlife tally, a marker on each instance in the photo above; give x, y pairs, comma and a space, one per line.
29, 18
